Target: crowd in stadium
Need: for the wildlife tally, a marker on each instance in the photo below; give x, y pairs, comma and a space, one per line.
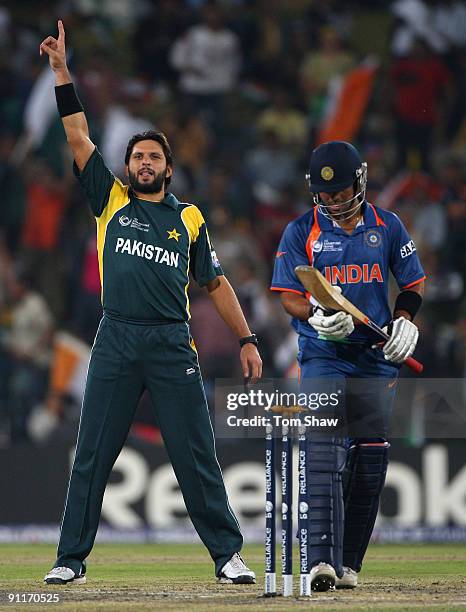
243, 89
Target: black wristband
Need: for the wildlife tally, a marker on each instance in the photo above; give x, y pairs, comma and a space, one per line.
248, 340
68, 102
410, 301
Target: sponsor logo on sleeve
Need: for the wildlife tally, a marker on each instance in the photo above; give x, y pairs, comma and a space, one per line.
215, 260
407, 249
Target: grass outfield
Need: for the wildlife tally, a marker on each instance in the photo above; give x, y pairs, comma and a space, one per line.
179, 577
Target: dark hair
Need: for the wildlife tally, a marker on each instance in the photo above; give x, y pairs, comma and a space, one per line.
158, 137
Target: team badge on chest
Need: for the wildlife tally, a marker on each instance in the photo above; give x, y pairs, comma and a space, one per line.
173, 234
373, 238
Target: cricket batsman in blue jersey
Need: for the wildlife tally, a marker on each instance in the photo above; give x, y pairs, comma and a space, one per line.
355, 245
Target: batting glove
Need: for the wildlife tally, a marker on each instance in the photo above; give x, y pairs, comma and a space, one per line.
402, 341
331, 325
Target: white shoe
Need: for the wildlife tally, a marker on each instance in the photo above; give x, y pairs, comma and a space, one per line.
323, 577
349, 580
236, 572
63, 575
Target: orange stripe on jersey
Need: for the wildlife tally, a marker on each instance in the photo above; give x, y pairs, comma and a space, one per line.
283, 289
313, 236
378, 220
416, 282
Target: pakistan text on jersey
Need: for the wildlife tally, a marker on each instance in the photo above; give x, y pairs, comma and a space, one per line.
149, 251
352, 273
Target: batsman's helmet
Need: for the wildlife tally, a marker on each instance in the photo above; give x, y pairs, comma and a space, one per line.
334, 166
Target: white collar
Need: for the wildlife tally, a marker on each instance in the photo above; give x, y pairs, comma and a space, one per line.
358, 224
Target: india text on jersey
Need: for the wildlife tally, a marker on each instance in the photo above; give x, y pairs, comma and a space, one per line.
353, 273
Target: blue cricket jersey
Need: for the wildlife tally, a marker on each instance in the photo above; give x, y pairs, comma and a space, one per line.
359, 262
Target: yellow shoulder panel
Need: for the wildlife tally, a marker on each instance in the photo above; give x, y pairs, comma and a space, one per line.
117, 199
193, 221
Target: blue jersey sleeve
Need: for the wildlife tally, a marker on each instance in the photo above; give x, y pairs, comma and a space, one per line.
291, 253
404, 261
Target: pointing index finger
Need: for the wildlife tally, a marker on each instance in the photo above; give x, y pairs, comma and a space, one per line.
61, 30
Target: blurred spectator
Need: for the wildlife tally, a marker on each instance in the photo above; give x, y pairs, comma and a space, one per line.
12, 188
444, 290
25, 352
425, 218
122, 120
453, 178
298, 46
232, 241
40, 111
457, 120
287, 123
208, 59
421, 89
336, 14
46, 201
257, 307
273, 215
87, 307
319, 67
159, 25
455, 245
449, 17
190, 139
269, 167
223, 193
415, 22
253, 295
265, 51
218, 347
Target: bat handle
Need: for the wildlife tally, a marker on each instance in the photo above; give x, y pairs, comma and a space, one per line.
416, 366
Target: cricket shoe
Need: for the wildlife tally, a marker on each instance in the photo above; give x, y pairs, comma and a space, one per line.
236, 572
63, 575
349, 580
323, 577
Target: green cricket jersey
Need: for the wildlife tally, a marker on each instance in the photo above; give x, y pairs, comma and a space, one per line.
146, 249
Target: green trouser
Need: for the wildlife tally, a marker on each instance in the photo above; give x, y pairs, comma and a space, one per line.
127, 358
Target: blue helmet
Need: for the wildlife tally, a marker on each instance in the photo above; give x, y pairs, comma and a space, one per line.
334, 166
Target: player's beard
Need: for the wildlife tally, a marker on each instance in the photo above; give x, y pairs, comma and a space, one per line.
154, 186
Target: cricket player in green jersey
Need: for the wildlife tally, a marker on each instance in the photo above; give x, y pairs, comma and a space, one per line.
148, 242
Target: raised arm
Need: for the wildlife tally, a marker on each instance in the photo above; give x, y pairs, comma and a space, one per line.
69, 106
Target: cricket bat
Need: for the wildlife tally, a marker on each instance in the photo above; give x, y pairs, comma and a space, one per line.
319, 287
